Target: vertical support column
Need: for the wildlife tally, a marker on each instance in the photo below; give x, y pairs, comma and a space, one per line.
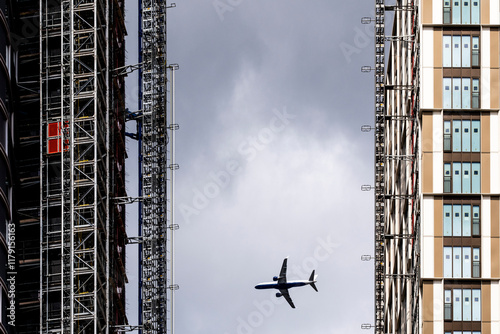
379, 165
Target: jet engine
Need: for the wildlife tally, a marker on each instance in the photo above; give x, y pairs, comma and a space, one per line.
275, 278
278, 294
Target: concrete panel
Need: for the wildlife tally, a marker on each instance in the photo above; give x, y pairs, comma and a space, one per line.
427, 11
486, 301
428, 214
427, 172
437, 12
438, 48
487, 133
485, 48
427, 86
484, 88
427, 131
428, 302
437, 133
485, 173
438, 88
438, 217
485, 12
428, 257
494, 11
492, 49
494, 88
495, 260
438, 257
438, 172
428, 47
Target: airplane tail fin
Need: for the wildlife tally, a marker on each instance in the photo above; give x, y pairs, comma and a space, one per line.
312, 279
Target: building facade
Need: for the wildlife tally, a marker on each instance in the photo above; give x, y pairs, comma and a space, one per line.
441, 158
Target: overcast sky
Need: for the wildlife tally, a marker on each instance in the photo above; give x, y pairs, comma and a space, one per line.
270, 100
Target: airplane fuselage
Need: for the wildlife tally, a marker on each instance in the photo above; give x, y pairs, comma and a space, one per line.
276, 285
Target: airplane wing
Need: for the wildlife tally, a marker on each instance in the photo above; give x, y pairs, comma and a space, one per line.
284, 293
282, 278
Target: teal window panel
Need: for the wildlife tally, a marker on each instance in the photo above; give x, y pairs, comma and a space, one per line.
475, 220
446, 11
447, 135
476, 263
474, 12
466, 102
466, 264
476, 136
447, 218
466, 136
447, 304
476, 178
457, 220
456, 58
475, 51
475, 93
476, 305
457, 304
457, 177
457, 262
456, 94
447, 93
457, 136
466, 11
467, 301
447, 178
447, 262
455, 11
447, 51
466, 178
466, 220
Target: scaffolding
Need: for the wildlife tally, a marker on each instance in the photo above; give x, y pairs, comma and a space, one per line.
397, 209
156, 128
79, 158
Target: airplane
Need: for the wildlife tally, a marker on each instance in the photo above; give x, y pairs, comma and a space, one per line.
282, 285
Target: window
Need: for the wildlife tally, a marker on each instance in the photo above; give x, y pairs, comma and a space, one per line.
460, 93
461, 12
462, 178
461, 262
462, 135
462, 304
457, 220
458, 51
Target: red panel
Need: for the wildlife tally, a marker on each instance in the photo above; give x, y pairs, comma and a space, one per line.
54, 146
54, 129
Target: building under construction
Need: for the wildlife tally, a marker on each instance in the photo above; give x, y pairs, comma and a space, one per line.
437, 156
63, 201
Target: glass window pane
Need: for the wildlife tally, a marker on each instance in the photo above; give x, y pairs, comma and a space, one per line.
466, 135
457, 262
457, 220
457, 93
466, 220
446, 51
447, 220
476, 305
456, 48
447, 136
475, 12
447, 263
466, 263
475, 93
447, 93
466, 101
457, 177
457, 304
476, 177
457, 136
475, 136
465, 11
447, 178
466, 178
466, 51
475, 51
467, 300
447, 304
456, 12
475, 220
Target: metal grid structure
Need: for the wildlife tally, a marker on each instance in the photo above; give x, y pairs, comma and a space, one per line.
397, 210
156, 168
74, 113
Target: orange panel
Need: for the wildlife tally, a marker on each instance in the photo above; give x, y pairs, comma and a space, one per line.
54, 129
